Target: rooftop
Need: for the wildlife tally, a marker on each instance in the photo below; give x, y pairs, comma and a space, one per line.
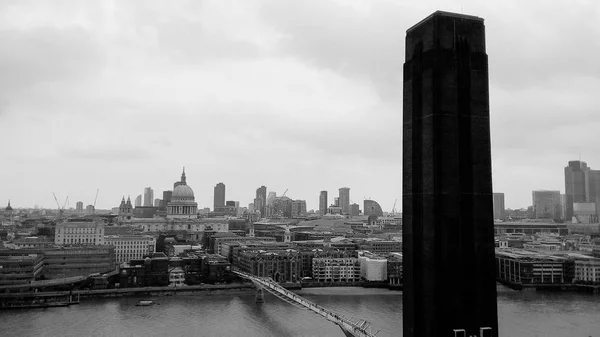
446, 14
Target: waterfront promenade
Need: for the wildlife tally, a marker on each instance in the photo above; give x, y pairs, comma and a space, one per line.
149, 291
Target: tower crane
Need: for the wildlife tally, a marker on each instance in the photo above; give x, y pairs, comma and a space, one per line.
284, 192
394, 207
96, 199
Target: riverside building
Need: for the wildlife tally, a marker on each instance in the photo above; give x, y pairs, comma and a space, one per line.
79, 233
130, 247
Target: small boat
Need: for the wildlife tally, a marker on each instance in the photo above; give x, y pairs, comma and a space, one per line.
144, 303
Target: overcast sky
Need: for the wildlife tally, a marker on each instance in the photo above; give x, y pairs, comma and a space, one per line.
298, 95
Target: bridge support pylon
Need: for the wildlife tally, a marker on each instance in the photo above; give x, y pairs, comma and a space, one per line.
259, 296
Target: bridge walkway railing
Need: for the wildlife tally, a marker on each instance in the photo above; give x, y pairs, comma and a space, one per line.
356, 328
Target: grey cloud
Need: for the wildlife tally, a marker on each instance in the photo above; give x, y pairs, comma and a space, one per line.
335, 37
45, 55
106, 154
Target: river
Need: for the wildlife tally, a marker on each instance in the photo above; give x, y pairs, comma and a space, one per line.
521, 314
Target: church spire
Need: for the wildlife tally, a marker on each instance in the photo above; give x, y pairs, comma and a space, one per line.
183, 182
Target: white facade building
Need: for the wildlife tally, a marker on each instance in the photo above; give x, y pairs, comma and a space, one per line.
587, 270
345, 269
373, 268
79, 233
176, 277
130, 247
188, 225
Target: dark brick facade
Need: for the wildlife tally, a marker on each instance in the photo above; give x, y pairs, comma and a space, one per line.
448, 234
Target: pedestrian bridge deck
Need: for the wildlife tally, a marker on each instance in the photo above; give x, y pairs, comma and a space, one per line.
349, 327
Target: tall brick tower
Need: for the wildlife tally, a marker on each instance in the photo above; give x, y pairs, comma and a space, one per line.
449, 273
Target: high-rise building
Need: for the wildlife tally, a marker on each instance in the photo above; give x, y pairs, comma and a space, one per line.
323, 202
166, 199
271, 197
251, 207
138, 201
219, 196
499, 206
336, 202
79, 207
592, 191
354, 210
546, 204
371, 207
575, 185
157, 202
345, 200
90, 209
447, 205
298, 208
148, 197
260, 201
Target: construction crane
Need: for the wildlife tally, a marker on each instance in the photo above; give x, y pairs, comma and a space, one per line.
60, 211
95, 199
394, 207
284, 193
66, 203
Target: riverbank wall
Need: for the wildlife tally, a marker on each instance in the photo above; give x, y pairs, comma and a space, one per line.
205, 289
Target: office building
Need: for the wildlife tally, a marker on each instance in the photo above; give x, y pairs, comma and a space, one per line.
79, 233
148, 197
219, 196
261, 200
499, 206
336, 202
323, 202
447, 206
575, 185
354, 210
298, 208
138, 201
157, 202
89, 209
131, 247
344, 200
166, 200
79, 207
371, 207
546, 204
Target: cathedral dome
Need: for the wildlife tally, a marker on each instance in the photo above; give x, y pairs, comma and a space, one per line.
183, 192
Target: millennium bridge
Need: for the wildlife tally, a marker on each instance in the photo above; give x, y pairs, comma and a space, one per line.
350, 328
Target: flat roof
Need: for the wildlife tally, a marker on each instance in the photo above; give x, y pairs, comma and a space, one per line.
443, 13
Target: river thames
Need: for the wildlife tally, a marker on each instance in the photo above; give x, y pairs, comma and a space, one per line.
521, 314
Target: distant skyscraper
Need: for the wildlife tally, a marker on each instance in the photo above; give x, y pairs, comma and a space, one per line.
261, 200
271, 197
575, 185
592, 191
323, 202
166, 199
138, 201
89, 209
499, 206
79, 207
298, 208
148, 197
157, 202
354, 210
219, 196
371, 207
345, 200
251, 207
546, 204
336, 202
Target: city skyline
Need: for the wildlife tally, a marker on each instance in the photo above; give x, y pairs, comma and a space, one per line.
271, 92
